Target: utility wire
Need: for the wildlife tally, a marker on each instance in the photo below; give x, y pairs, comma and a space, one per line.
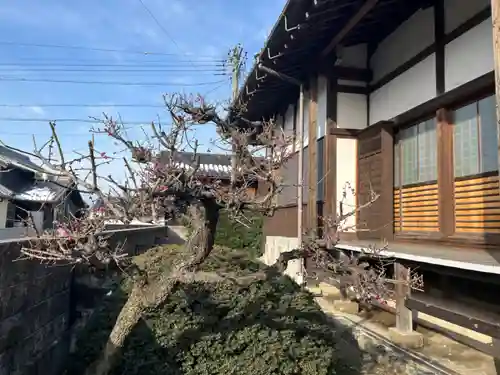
163, 65
145, 60
59, 46
24, 134
160, 26
84, 105
110, 70
117, 83
83, 120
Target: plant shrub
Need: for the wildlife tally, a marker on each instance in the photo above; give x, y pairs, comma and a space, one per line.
233, 234
267, 327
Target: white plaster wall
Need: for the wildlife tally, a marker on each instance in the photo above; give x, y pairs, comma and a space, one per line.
415, 86
469, 56
354, 56
274, 246
346, 176
351, 111
410, 38
3, 213
322, 105
459, 11
288, 120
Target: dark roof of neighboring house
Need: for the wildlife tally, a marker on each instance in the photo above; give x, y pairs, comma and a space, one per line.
211, 165
11, 158
26, 188
41, 191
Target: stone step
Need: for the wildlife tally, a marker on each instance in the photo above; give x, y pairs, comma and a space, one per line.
325, 290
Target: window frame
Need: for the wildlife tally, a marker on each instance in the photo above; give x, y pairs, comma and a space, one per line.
479, 146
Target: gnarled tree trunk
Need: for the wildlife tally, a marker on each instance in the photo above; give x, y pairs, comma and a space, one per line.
153, 293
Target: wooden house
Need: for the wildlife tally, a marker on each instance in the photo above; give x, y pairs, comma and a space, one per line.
398, 97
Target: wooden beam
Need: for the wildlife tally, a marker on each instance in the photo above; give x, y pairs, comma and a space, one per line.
351, 24
495, 17
445, 178
351, 89
311, 223
344, 133
386, 194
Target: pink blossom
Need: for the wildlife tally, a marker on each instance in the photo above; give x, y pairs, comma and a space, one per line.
62, 232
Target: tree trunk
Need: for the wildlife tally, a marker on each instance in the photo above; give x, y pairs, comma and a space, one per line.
201, 243
125, 323
156, 292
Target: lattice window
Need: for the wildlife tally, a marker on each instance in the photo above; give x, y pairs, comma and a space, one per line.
475, 138
415, 154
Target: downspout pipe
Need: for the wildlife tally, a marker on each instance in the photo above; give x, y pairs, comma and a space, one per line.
300, 136
300, 172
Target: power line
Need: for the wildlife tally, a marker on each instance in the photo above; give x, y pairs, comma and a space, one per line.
60, 46
117, 83
85, 105
82, 120
219, 65
141, 60
110, 70
165, 31
24, 134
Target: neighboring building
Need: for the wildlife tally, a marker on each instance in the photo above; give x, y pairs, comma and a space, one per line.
398, 95
27, 189
212, 167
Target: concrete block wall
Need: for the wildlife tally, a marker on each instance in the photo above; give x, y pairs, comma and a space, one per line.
35, 306
34, 314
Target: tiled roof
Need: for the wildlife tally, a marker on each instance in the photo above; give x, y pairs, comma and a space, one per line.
10, 157
5, 192
211, 165
41, 191
26, 187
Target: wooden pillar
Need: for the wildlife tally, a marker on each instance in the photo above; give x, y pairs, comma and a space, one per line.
387, 190
330, 152
495, 17
312, 215
404, 316
446, 199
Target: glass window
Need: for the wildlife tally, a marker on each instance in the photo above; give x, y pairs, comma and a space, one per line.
415, 154
427, 151
397, 181
489, 138
409, 156
476, 138
466, 147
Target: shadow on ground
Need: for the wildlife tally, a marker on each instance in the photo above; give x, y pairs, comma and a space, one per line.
267, 327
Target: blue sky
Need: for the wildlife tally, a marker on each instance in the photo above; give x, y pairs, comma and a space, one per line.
202, 33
